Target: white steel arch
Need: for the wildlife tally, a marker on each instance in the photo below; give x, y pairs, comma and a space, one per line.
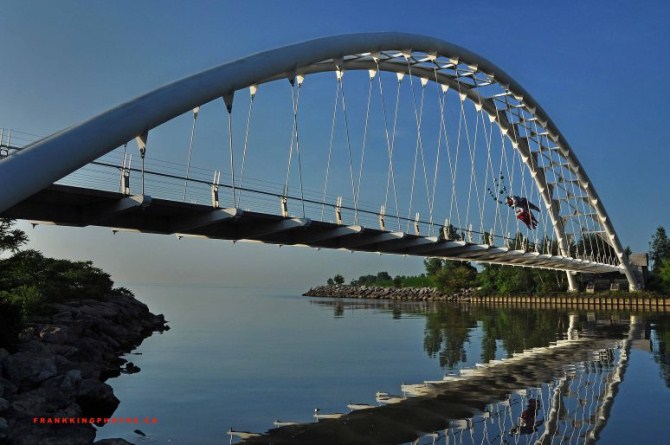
50, 159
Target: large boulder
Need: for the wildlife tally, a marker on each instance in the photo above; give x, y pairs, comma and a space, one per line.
26, 369
54, 334
59, 367
71, 381
96, 399
33, 403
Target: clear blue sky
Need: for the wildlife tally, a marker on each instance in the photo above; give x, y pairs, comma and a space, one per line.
597, 67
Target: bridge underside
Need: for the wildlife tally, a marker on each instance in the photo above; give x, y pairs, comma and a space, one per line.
80, 207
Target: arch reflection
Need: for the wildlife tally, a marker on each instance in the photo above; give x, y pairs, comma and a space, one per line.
558, 389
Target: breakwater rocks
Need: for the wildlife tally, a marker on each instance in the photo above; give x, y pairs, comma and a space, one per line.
385, 293
52, 387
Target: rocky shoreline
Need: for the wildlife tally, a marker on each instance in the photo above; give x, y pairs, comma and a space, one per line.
57, 372
386, 293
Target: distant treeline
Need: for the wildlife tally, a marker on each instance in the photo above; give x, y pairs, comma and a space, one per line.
452, 276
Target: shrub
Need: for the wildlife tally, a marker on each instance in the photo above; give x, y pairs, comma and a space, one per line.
56, 280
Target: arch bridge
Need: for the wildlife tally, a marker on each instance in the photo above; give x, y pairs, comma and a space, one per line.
383, 142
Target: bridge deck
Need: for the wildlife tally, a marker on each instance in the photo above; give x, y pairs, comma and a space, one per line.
80, 207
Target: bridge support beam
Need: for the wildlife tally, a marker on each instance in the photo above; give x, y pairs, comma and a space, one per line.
407, 244
363, 240
273, 228
204, 220
330, 234
97, 213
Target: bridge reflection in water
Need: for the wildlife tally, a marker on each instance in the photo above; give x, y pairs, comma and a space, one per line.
561, 392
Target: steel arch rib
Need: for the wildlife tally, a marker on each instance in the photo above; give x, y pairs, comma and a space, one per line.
50, 159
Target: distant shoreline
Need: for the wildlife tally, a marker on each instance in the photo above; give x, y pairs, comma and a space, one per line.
385, 293
605, 301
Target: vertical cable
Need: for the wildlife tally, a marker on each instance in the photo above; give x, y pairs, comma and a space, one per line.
365, 134
232, 158
252, 92
296, 102
330, 149
346, 128
228, 100
196, 110
390, 141
437, 159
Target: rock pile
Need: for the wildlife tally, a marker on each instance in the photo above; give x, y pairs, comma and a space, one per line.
386, 293
60, 365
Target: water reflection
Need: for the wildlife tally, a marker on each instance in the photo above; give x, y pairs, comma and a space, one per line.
661, 336
449, 327
543, 377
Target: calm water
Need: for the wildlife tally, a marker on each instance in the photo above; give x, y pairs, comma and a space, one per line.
242, 358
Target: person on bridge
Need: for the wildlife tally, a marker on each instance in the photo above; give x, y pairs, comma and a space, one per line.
523, 210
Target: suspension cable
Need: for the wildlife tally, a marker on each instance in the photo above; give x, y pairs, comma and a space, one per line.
390, 141
252, 92
418, 116
533, 167
504, 159
296, 102
330, 148
452, 166
549, 247
437, 157
346, 127
196, 110
228, 100
471, 149
489, 166
372, 74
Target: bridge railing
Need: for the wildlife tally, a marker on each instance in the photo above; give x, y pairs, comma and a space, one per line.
121, 171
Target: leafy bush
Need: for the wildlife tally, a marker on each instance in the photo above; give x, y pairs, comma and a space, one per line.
27, 299
56, 280
29, 280
11, 323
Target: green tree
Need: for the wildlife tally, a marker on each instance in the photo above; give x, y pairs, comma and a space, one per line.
455, 276
56, 280
664, 275
506, 279
660, 247
11, 239
383, 276
549, 281
515, 280
338, 279
433, 265
27, 298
